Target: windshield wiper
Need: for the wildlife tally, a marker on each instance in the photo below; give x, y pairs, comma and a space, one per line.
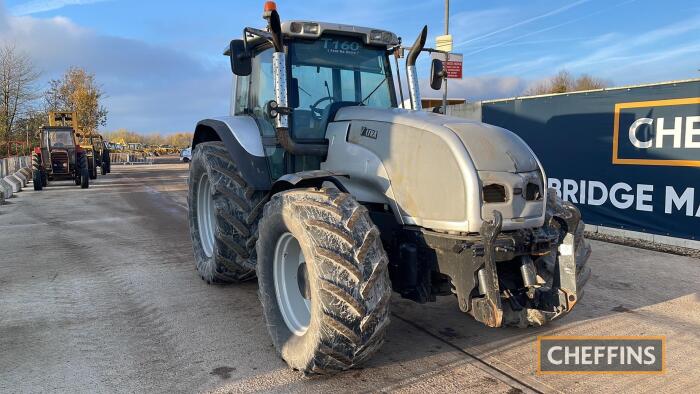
373, 90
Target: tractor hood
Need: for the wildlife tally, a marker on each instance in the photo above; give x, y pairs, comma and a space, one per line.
437, 171
491, 148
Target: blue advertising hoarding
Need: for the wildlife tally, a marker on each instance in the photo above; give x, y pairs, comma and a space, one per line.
628, 157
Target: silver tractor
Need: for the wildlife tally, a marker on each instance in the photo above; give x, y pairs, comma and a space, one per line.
323, 187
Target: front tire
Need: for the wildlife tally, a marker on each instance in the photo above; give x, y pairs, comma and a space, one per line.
93, 167
106, 161
319, 249
223, 215
84, 172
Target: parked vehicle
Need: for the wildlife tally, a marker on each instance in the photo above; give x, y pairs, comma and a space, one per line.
59, 157
186, 155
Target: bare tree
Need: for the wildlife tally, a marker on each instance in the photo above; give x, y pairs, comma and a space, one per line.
18, 77
77, 91
563, 82
587, 82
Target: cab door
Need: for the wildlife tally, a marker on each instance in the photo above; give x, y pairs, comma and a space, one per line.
252, 93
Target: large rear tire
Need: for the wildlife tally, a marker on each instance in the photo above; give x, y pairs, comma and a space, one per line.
323, 279
223, 214
37, 178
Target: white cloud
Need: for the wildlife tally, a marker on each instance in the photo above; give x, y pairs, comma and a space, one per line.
37, 6
148, 87
478, 88
627, 48
522, 22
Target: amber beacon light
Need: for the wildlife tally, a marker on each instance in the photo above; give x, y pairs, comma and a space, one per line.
270, 6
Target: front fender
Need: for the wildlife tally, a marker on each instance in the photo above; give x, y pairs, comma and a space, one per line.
241, 136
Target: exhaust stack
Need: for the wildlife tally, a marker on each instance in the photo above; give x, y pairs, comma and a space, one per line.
411, 73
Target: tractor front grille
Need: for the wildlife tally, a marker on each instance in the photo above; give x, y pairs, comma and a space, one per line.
494, 193
532, 192
59, 162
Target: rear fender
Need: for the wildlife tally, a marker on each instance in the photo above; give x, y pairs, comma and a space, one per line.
241, 136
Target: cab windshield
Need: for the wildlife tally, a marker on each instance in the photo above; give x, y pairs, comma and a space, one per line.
61, 139
336, 69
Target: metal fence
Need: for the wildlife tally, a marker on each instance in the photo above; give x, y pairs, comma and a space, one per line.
10, 165
130, 158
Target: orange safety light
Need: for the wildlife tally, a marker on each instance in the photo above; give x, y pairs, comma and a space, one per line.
270, 6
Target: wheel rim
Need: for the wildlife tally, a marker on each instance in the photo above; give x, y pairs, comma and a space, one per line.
291, 284
205, 215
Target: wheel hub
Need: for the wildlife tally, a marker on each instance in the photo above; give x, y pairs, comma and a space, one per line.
206, 215
291, 284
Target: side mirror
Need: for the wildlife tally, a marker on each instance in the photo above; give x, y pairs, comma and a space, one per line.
240, 59
436, 74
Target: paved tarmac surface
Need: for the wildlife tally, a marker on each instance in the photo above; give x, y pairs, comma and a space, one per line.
98, 293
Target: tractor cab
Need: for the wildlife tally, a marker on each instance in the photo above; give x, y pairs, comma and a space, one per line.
295, 76
60, 138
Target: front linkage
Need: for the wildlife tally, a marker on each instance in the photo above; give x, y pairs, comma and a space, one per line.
516, 278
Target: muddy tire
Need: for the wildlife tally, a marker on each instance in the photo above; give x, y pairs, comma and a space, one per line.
223, 215
344, 283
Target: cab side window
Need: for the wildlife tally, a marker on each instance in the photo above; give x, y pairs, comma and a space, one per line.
262, 90
242, 87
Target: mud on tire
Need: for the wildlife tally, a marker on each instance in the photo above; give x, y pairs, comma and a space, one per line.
347, 279
237, 211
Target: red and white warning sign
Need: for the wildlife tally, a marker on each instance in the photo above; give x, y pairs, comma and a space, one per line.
453, 64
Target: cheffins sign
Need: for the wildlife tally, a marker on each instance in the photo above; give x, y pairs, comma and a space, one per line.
658, 133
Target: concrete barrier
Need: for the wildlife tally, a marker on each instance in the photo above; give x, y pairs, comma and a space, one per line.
6, 187
14, 183
10, 165
19, 175
21, 181
27, 172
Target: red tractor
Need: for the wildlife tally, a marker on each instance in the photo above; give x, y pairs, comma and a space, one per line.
59, 157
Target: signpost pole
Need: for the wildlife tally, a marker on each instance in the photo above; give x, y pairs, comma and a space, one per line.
447, 55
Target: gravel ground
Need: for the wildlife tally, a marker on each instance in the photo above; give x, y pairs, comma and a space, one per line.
679, 250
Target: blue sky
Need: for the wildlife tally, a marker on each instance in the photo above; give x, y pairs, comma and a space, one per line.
161, 66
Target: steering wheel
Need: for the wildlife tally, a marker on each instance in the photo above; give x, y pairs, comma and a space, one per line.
316, 112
